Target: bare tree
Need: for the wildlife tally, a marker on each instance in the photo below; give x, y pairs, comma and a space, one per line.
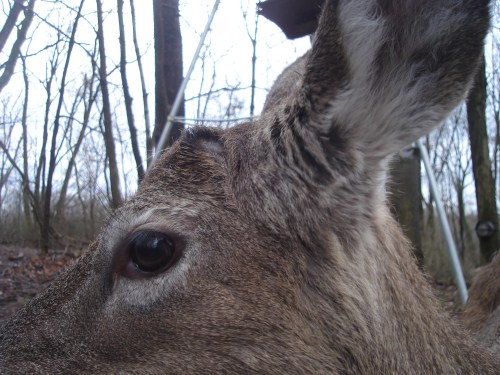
168, 63
481, 164
47, 201
493, 94
27, 204
126, 94
41, 168
89, 96
203, 99
456, 169
147, 121
252, 35
114, 177
7, 125
21, 37
10, 22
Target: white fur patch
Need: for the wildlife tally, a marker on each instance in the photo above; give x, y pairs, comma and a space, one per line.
145, 292
382, 118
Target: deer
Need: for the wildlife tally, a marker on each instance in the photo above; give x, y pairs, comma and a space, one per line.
482, 311
268, 247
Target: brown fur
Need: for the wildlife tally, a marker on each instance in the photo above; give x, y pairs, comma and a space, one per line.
289, 259
482, 312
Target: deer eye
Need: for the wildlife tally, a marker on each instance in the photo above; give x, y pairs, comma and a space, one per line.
151, 252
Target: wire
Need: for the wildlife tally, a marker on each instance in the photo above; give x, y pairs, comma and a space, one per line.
199, 121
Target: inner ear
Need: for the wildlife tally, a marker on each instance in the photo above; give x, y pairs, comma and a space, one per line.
206, 140
210, 146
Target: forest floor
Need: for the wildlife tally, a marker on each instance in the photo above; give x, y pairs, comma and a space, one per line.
23, 273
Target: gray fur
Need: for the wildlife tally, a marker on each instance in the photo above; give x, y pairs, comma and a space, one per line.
291, 262
482, 312
287, 84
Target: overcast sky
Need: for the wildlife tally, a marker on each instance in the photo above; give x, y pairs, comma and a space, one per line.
231, 47
227, 44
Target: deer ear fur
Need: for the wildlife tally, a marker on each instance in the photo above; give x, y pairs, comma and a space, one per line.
383, 75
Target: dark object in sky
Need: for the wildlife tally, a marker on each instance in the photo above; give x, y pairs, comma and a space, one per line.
296, 18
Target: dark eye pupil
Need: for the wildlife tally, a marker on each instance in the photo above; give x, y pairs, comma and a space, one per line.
151, 251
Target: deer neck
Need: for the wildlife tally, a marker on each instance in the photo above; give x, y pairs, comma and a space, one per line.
376, 289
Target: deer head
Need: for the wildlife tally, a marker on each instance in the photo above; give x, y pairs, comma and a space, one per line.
267, 248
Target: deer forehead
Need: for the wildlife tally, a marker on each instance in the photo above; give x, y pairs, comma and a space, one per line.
195, 161
186, 185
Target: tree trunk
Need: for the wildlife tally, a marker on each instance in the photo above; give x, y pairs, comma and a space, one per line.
114, 177
406, 198
168, 62
10, 22
252, 35
39, 184
147, 122
24, 123
126, 94
254, 66
464, 233
481, 164
16, 48
47, 200
90, 95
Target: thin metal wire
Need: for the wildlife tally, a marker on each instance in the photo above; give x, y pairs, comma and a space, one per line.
184, 120
445, 226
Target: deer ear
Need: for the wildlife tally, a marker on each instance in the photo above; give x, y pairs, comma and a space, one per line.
383, 73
